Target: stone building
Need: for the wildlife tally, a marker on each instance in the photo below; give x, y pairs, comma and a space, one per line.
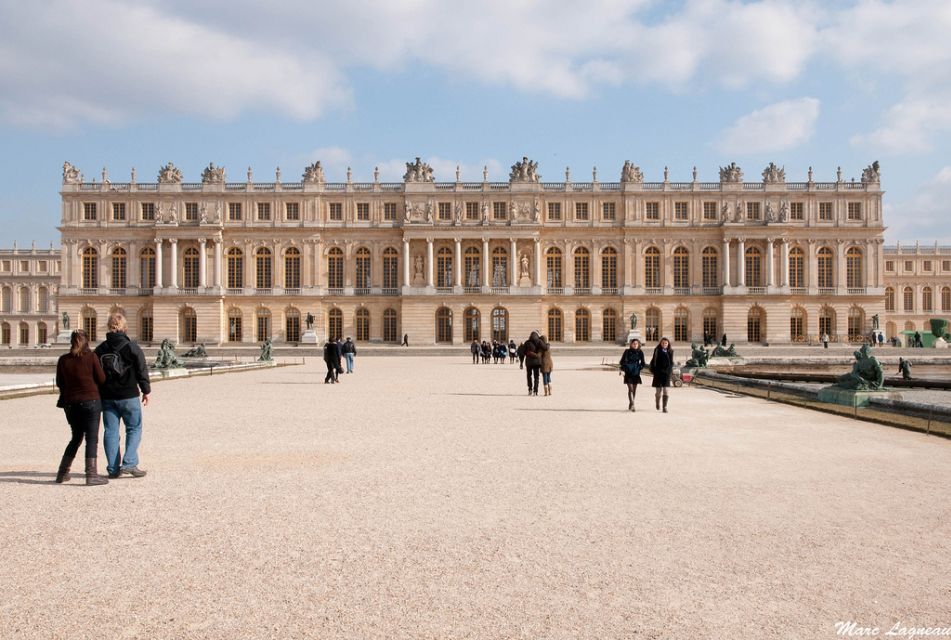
918, 287
29, 279
444, 262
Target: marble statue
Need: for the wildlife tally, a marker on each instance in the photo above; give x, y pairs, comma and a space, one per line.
866, 374
631, 173
524, 171
770, 217
871, 174
875, 321
418, 266
166, 358
314, 173
71, 174
65, 321
731, 173
783, 211
773, 174
213, 174
523, 261
170, 174
418, 171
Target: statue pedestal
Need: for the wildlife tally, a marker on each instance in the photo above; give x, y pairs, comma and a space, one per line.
852, 397
309, 337
63, 336
524, 282
419, 281
940, 343
634, 334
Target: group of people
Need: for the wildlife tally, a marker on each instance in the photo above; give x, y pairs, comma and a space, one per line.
103, 384
336, 352
496, 351
661, 365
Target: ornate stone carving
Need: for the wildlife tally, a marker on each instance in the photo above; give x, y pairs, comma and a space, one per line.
725, 212
783, 211
631, 173
773, 174
418, 171
871, 174
524, 170
170, 174
71, 174
314, 173
213, 174
768, 214
731, 173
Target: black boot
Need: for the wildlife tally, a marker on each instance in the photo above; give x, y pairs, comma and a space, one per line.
657, 401
665, 404
92, 477
63, 474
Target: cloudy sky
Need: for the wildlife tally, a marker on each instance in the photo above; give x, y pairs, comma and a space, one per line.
376, 83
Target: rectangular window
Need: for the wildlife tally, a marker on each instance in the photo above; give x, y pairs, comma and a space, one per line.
118, 211
608, 211
148, 211
499, 210
389, 211
264, 211
855, 211
796, 211
363, 211
752, 211
908, 265
24, 266
889, 265
6, 265
653, 211
680, 211
946, 265
581, 211
234, 211
42, 266
191, 211
825, 211
234, 329
89, 211
927, 266
292, 210
554, 211
472, 211
336, 211
709, 210
445, 211
145, 328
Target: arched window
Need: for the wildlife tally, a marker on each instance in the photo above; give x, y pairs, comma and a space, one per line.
824, 268
681, 269
391, 269
755, 324
500, 267
891, 329
7, 304
263, 318
582, 325
363, 272
909, 326
711, 267
797, 262
24, 299
889, 299
444, 267
909, 298
119, 268
797, 324
263, 270
609, 268
291, 322
292, 270
188, 325
444, 324
652, 268
556, 325
609, 325
334, 324
145, 325
473, 266
147, 268
390, 333
362, 320
554, 268
681, 324
90, 259
711, 324
335, 268
652, 324
190, 274
500, 324
24, 333
827, 322
42, 336
946, 299
754, 268
927, 299
856, 324
88, 323
235, 260
235, 328
582, 270
854, 270
5, 333
471, 320
43, 299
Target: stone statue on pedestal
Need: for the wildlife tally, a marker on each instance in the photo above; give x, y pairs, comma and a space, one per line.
866, 374
166, 358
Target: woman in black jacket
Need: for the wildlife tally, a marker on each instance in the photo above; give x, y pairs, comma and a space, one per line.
662, 366
632, 361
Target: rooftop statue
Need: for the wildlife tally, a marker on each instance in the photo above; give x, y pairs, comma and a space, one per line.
71, 174
266, 352
698, 356
314, 173
418, 171
631, 173
196, 352
871, 174
213, 174
524, 171
773, 174
731, 173
166, 358
866, 374
170, 174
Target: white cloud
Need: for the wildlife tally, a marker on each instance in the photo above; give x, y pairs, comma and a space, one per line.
910, 126
777, 127
925, 215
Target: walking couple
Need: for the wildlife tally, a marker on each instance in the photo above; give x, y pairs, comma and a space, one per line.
661, 366
537, 353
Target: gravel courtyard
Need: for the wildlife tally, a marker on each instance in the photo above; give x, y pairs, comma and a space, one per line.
430, 498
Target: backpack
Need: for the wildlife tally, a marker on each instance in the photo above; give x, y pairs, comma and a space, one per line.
113, 364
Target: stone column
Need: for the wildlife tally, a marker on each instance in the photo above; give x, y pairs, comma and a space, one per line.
513, 263
457, 267
726, 263
538, 262
218, 263
769, 263
626, 264
159, 280
486, 263
785, 265
318, 263
132, 265
173, 262
406, 261
429, 262
812, 265
202, 264
741, 262
840, 280
68, 263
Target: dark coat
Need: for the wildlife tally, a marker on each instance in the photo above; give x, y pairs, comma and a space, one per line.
632, 361
136, 376
331, 354
662, 366
534, 350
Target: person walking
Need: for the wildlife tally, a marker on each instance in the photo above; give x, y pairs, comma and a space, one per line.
632, 361
520, 352
662, 368
405, 342
332, 360
825, 340
349, 352
513, 351
78, 376
475, 349
547, 366
127, 373
534, 351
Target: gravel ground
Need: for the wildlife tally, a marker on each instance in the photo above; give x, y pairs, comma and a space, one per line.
430, 498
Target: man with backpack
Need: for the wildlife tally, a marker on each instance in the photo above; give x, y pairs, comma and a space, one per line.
126, 374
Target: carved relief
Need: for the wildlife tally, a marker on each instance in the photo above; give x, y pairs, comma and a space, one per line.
213, 174
418, 171
731, 173
773, 174
314, 173
170, 174
631, 173
524, 171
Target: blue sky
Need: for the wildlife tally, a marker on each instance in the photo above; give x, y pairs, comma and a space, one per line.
678, 84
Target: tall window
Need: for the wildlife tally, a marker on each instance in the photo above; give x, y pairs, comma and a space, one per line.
363, 325
609, 211
581, 211
797, 324
681, 211
856, 324
90, 265
499, 211
119, 268
188, 328
826, 322
554, 211
389, 211
472, 211
43, 300
292, 269
335, 268
263, 267
444, 325
118, 211
652, 268
945, 299
824, 268
292, 211
652, 324
752, 211
681, 324
500, 324
582, 325
500, 267
263, 317
609, 268
190, 265
854, 211
825, 211
264, 211
24, 333
556, 324
148, 211
146, 325
854, 276
889, 299
754, 325
41, 334
754, 268
909, 299
336, 211
363, 211
471, 320
363, 274
797, 264
796, 211
292, 325
5, 333
710, 265
582, 268
652, 211
235, 261
553, 265
147, 268
709, 210
234, 211
89, 323
391, 271
681, 268
89, 211
234, 326
710, 324
7, 305
24, 299
191, 211
444, 211
609, 325
473, 266
927, 299
444, 267
389, 326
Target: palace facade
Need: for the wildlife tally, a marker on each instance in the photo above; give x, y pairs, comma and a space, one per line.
918, 287
29, 279
223, 262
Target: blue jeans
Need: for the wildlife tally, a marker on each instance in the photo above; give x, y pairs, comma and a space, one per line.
349, 357
130, 411
546, 377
